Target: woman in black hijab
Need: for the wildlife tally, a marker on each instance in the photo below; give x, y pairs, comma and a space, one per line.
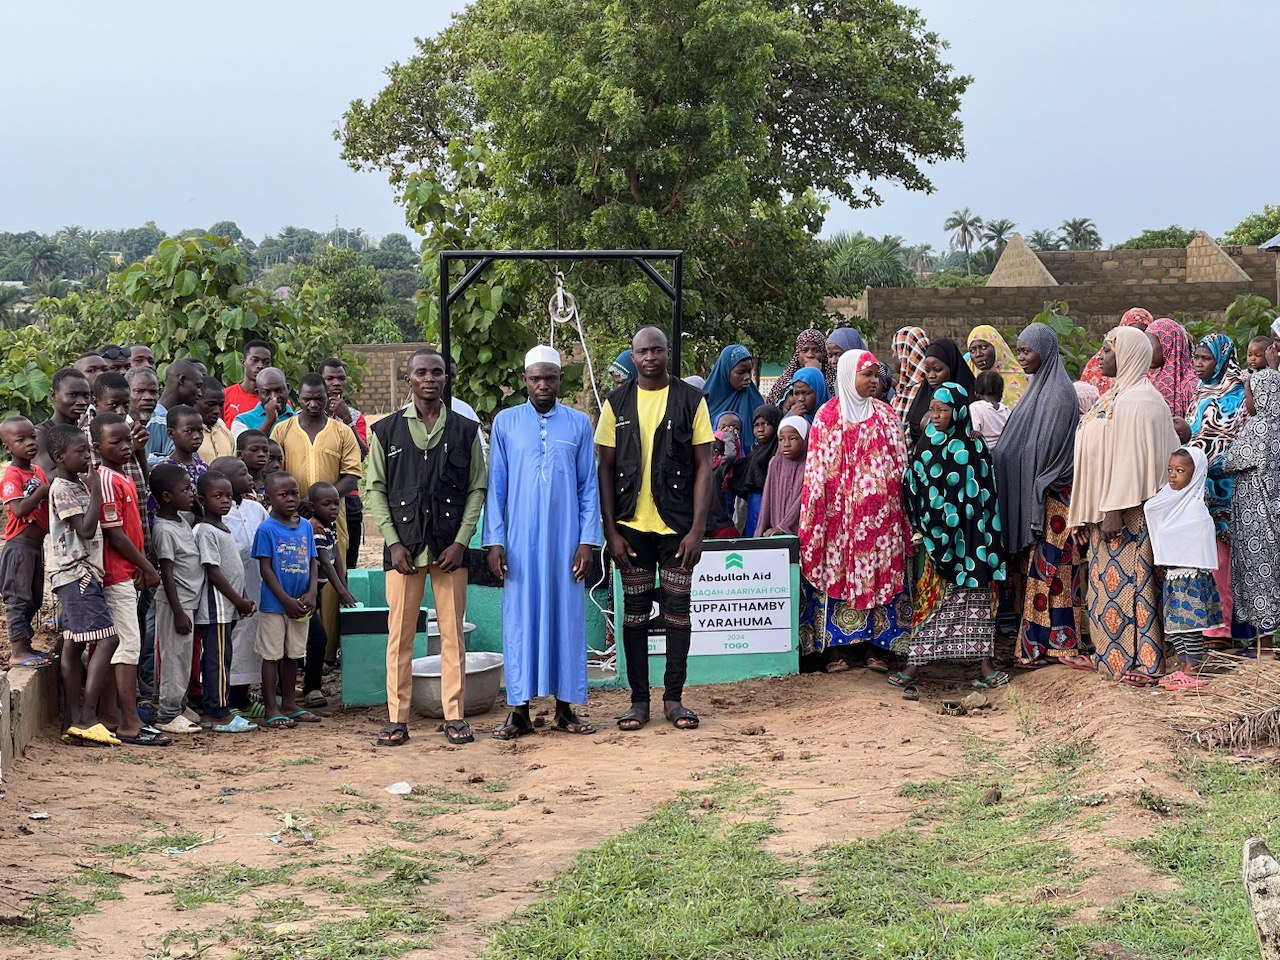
943, 362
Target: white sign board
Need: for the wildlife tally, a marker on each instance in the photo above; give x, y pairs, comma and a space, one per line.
741, 602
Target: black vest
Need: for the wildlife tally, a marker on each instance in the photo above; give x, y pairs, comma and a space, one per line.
426, 489
671, 481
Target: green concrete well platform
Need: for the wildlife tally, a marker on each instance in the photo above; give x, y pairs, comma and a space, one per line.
364, 633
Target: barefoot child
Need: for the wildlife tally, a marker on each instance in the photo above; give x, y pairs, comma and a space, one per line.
182, 579
76, 578
25, 492
286, 550
780, 504
126, 568
325, 504
251, 447
1183, 542
222, 602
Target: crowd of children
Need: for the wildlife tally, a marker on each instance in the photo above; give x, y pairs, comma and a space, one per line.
166, 569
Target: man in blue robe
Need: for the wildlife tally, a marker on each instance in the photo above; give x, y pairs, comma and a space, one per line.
541, 519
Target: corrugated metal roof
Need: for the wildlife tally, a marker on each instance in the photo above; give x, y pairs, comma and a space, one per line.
1272, 244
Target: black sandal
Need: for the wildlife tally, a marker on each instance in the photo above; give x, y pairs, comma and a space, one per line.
567, 722
458, 732
682, 718
911, 692
517, 725
635, 718
394, 735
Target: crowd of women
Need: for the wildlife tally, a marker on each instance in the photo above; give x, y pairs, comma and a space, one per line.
1120, 524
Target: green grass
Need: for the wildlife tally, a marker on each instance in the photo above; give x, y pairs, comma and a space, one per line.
302, 762
220, 883
48, 920
166, 840
972, 882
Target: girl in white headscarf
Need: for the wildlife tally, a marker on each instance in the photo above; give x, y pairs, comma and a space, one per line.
1184, 543
780, 502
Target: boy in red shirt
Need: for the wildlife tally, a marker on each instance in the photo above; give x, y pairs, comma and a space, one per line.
126, 570
242, 397
24, 488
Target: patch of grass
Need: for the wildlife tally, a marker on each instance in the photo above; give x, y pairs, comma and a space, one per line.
168, 839
347, 790
48, 920
410, 831
302, 762
363, 806
978, 881
221, 883
1069, 754
1024, 715
493, 786
387, 931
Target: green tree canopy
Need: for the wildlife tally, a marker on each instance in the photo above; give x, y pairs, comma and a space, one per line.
1256, 228
717, 128
856, 261
1168, 237
354, 295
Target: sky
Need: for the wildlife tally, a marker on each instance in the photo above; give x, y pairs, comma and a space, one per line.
1137, 114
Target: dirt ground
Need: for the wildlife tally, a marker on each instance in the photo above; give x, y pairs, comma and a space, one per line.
507, 817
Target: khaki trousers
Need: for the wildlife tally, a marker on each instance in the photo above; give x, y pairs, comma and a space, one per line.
404, 598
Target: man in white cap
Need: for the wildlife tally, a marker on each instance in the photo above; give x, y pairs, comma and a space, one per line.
541, 519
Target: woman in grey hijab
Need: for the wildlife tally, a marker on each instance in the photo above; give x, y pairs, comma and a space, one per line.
1034, 465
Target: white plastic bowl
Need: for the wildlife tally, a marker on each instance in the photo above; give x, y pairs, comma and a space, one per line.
484, 680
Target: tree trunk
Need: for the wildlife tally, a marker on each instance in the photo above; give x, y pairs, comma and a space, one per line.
1262, 887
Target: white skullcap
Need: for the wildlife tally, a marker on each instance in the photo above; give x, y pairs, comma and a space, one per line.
799, 424
542, 354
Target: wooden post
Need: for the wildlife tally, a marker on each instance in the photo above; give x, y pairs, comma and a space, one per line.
1262, 887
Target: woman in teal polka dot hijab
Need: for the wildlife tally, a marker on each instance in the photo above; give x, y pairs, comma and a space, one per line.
950, 494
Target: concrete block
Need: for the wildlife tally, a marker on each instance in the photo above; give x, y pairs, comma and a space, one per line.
33, 705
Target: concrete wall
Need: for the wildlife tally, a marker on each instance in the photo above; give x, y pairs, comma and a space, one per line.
955, 311
382, 386
1116, 266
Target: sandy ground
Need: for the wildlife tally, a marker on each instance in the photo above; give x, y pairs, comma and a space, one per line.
837, 747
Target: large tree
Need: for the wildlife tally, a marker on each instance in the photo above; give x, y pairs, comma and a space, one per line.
1256, 228
718, 128
1174, 236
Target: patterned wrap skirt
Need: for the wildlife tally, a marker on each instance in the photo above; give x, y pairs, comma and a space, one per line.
1053, 598
831, 622
1124, 600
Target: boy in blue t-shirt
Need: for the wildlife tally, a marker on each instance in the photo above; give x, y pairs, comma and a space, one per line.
286, 550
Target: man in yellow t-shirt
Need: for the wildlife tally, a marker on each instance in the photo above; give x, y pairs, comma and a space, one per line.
654, 443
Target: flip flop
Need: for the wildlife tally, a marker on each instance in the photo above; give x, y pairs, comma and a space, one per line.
1077, 662
278, 723
838, 666
235, 725
900, 680
1140, 680
179, 724
34, 662
1178, 680
315, 699
878, 665
911, 692
304, 716
146, 737
990, 682
94, 734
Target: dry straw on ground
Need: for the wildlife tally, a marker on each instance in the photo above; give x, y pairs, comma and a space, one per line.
1240, 707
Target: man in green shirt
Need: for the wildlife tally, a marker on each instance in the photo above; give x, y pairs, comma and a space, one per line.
425, 484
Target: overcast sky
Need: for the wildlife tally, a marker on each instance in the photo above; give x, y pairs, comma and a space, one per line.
1138, 114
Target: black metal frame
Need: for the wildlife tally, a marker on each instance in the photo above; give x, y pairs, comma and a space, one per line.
482, 258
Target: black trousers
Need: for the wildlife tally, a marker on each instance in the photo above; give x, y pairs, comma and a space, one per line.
655, 559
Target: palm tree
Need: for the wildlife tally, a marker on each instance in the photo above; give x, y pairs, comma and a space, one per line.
1081, 233
920, 257
10, 319
41, 260
997, 233
965, 227
1044, 240
856, 261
